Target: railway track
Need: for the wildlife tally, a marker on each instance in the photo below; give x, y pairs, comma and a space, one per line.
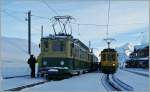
111, 83
26, 86
15, 76
138, 73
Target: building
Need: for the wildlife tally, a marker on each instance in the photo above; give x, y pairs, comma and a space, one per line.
139, 57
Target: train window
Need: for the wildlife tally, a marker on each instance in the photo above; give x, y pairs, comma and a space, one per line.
114, 57
71, 48
39, 45
45, 45
76, 51
103, 56
58, 46
110, 57
72, 45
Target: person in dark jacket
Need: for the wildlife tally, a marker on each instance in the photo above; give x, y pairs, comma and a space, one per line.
31, 62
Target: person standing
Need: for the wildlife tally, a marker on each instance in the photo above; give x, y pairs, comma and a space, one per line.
31, 62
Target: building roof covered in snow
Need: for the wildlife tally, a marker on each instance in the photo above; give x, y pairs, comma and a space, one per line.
136, 47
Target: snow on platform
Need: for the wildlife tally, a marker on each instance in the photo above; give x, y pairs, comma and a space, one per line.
139, 83
90, 82
17, 82
138, 70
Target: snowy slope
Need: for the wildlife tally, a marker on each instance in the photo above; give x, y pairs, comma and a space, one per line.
124, 52
15, 49
14, 56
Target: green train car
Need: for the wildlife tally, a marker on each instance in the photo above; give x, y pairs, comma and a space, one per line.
63, 56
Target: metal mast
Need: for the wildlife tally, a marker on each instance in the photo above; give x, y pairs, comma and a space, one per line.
108, 15
29, 32
107, 39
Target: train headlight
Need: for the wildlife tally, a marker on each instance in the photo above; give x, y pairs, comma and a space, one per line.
44, 63
53, 70
66, 68
113, 64
62, 63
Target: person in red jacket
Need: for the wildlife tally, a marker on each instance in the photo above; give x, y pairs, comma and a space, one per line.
31, 62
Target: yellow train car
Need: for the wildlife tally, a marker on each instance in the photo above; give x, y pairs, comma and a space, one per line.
109, 61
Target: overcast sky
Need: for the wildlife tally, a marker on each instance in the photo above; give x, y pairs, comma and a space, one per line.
128, 18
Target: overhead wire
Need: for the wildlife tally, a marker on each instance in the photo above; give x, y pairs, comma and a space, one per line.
13, 11
78, 24
87, 24
41, 17
98, 25
53, 10
11, 15
18, 19
81, 24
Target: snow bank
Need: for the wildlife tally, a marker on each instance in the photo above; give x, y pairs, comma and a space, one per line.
124, 52
14, 56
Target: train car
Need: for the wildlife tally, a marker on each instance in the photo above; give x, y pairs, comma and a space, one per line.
94, 62
62, 56
109, 61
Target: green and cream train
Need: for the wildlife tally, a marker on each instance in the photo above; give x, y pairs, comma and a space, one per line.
62, 55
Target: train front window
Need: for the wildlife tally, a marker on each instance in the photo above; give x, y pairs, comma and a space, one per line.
103, 57
58, 46
114, 57
110, 57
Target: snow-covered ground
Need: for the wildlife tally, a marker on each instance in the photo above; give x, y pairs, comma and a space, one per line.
90, 82
139, 83
17, 82
14, 56
138, 70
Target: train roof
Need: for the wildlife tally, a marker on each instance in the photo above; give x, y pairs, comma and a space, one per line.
81, 43
58, 36
109, 49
